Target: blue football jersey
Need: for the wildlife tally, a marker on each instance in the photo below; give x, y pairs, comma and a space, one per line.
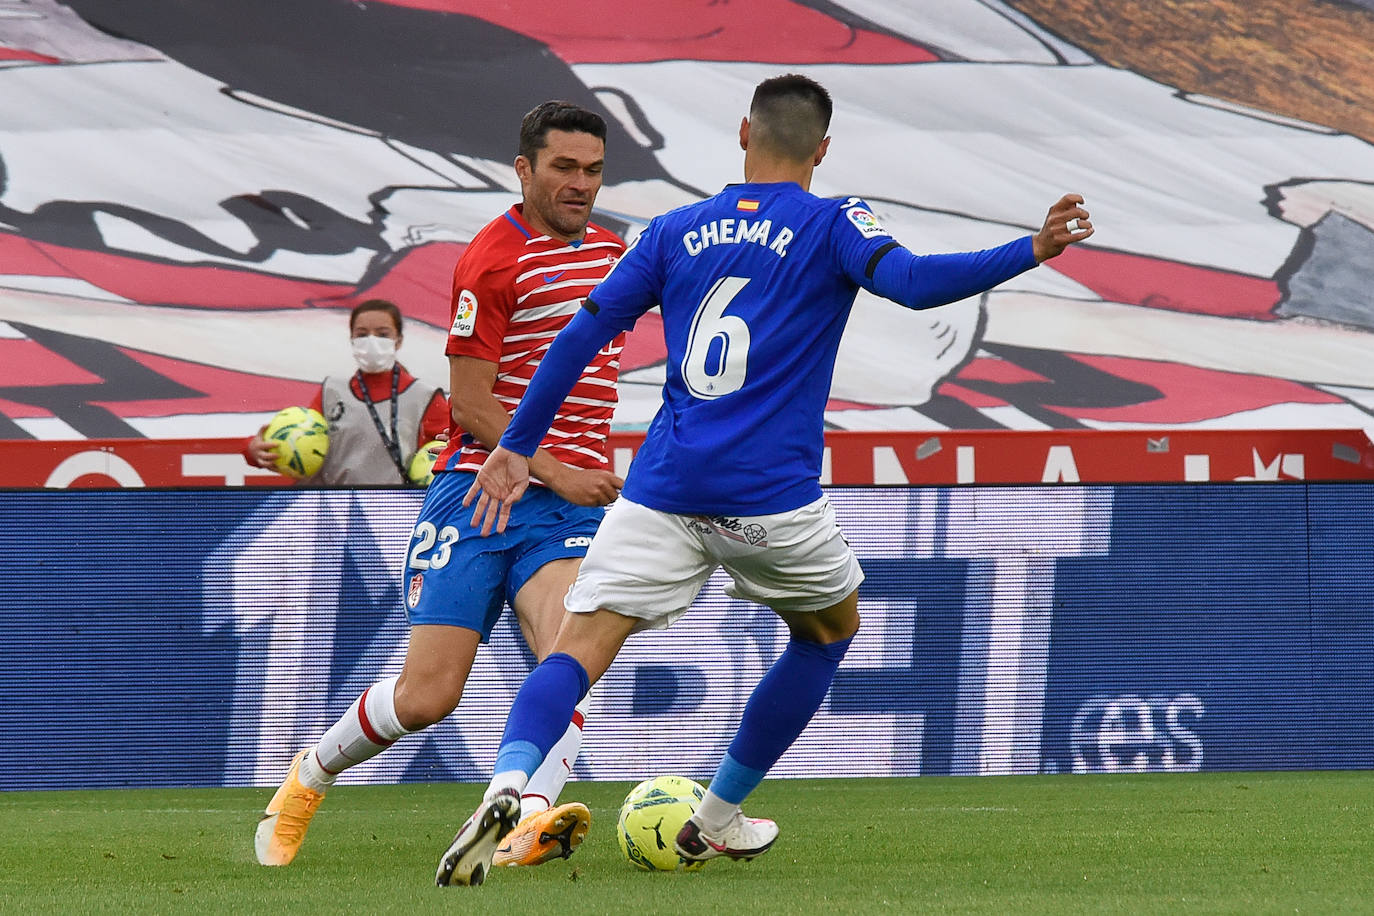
755, 284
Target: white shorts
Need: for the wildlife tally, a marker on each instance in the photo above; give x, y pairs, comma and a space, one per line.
651, 565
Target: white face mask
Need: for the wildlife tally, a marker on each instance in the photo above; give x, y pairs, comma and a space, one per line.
374, 354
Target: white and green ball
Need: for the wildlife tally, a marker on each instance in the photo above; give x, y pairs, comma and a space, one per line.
651, 817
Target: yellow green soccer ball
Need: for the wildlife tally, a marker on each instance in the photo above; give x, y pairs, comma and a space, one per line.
302, 437
650, 818
421, 469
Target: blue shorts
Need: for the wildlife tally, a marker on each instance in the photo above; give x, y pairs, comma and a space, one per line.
455, 576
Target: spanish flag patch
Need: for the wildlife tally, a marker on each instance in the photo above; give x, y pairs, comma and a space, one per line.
748, 205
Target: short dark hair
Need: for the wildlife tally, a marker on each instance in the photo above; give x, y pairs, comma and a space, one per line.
556, 115
376, 305
789, 115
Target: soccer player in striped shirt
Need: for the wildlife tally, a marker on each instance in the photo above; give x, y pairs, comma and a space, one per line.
755, 284
517, 284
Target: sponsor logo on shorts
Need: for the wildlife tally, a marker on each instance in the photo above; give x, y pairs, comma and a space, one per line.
417, 581
751, 533
581, 541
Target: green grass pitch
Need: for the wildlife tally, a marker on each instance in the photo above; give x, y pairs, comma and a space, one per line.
1196, 843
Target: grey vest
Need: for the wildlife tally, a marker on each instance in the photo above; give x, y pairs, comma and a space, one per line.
357, 454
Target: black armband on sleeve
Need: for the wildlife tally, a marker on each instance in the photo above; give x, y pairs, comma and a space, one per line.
878, 256
591, 306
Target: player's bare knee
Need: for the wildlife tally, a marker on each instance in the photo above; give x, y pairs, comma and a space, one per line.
833, 624
848, 628
421, 705
822, 632
838, 630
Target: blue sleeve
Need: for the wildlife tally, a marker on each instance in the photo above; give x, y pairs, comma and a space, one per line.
871, 258
558, 372
925, 281
635, 283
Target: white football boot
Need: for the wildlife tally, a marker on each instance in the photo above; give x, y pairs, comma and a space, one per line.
743, 838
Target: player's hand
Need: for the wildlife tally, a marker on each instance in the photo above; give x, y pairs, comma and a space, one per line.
500, 483
263, 452
1065, 224
587, 486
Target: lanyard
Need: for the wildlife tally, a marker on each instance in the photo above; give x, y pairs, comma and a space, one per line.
393, 444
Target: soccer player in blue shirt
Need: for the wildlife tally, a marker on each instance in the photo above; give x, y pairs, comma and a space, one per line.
755, 284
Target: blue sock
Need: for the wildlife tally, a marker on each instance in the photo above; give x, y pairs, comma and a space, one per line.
778, 710
541, 711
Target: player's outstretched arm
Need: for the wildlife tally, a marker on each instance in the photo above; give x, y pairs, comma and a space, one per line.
931, 280
1066, 223
500, 483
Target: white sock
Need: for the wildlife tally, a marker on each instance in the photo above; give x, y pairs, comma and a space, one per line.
507, 779
369, 727
547, 782
714, 813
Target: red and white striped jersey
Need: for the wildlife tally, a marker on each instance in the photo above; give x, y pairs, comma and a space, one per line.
513, 291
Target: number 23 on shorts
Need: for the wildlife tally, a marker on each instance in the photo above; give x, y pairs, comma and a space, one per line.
436, 542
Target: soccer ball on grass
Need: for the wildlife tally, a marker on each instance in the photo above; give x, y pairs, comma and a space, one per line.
302, 437
650, 819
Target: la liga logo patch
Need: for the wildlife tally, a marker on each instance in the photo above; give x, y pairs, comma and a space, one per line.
464, 314
864, 220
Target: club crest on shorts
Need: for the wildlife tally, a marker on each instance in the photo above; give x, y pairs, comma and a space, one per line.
417, 582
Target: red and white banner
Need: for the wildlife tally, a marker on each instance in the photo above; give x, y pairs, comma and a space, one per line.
201, 278
852, 458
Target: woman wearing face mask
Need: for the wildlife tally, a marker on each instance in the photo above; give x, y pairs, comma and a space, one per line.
378, 417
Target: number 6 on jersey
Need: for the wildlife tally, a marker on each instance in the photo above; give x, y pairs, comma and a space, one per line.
709, 324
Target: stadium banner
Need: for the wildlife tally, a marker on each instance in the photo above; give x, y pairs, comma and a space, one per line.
201, 637
881, 458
